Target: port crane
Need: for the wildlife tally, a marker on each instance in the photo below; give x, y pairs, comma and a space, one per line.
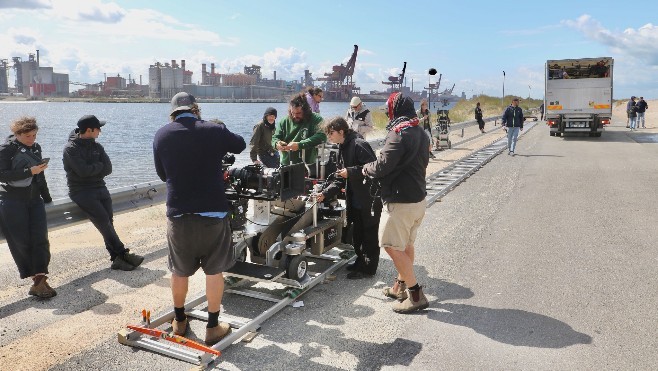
339, 85
395, 82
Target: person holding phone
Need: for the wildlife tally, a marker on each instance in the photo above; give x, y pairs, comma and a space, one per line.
87, 164
23, 192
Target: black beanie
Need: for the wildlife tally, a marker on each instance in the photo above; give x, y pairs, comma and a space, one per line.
269, 111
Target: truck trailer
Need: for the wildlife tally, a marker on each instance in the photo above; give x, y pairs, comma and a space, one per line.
578, 95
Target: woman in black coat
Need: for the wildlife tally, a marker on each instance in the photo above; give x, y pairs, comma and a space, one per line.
363, 210
23, 191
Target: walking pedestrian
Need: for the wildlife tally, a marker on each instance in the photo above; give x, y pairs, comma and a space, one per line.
359, 118
478, 117
513, 123
400, 170
261, 141
629, 104
632, 114
642, 106
363, 210
541, 110
188, 155
87, 164
23, 192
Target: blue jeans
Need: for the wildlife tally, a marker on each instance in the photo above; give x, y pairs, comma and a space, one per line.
26, 230
512, 136
640, 118
97, 204
633, 122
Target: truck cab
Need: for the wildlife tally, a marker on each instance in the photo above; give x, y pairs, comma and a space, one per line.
578, 95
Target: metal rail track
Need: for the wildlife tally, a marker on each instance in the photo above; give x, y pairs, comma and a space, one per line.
445, 180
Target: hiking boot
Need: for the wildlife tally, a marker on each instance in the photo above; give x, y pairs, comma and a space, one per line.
42, 289
119, 264
400, 295
354, 266
217, 333
133, 259
410, 304
179, 328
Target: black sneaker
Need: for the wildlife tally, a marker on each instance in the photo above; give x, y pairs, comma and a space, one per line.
133, 259
120, 264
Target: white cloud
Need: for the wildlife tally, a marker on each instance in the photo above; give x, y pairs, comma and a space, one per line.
641, 43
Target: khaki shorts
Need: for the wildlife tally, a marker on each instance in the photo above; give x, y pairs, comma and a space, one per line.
199, 242
399, 224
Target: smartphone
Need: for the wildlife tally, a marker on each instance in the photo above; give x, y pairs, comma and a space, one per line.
44, 161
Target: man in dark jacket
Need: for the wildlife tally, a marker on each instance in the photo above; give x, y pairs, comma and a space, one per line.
188, 155
86, 165
363, 210
400, 170
513, 123
641, 107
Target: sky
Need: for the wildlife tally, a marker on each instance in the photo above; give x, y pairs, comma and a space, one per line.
470, 43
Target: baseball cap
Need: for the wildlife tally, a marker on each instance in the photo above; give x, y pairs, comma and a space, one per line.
182, 102
355, 101
90, 121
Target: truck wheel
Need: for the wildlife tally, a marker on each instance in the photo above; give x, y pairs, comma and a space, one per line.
598, 135
551, 133
558, 134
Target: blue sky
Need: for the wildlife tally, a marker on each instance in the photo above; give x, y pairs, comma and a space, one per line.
469, 42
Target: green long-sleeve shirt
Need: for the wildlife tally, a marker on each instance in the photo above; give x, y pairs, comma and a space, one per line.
306, 133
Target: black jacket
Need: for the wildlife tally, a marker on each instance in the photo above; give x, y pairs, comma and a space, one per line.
353, 153
188, 156
11, 170
641, 105
513, 117
86, 163
401, 165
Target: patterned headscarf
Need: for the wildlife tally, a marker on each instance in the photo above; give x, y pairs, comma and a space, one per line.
401, 112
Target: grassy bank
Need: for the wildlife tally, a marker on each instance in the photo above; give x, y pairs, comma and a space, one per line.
465, 109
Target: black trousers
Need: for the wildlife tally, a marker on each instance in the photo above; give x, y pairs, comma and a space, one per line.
365, 238
97, 204
25, 228
481, 124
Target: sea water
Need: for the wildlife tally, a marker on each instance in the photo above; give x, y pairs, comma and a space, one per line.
128, 134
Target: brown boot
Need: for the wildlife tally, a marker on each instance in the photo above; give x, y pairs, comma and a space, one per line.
179, 328
416, 300
217, 333
41, 288
398, 293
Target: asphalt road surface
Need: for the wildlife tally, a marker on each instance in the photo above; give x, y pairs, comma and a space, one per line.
545, 260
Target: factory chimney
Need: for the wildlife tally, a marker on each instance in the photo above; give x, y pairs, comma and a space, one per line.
37, 57
182, 63
274, 75
212, 68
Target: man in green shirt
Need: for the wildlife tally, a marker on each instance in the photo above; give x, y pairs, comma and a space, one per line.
298, 131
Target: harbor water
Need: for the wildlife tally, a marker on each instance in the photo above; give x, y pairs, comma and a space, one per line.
128, 134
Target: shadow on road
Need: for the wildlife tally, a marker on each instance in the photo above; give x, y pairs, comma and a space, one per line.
510, 326
78, 295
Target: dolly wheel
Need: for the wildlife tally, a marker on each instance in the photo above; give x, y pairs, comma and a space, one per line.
296, 266
449, 144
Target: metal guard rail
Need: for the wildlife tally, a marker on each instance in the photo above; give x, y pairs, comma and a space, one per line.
64, 212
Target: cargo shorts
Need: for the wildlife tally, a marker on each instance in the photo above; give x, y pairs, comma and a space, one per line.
196, 241
399, 224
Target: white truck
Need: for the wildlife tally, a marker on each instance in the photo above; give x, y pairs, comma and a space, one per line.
578, 95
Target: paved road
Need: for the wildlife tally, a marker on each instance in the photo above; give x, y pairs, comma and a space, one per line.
545, 260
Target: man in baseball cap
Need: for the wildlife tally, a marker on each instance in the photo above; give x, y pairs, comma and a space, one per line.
182, 102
